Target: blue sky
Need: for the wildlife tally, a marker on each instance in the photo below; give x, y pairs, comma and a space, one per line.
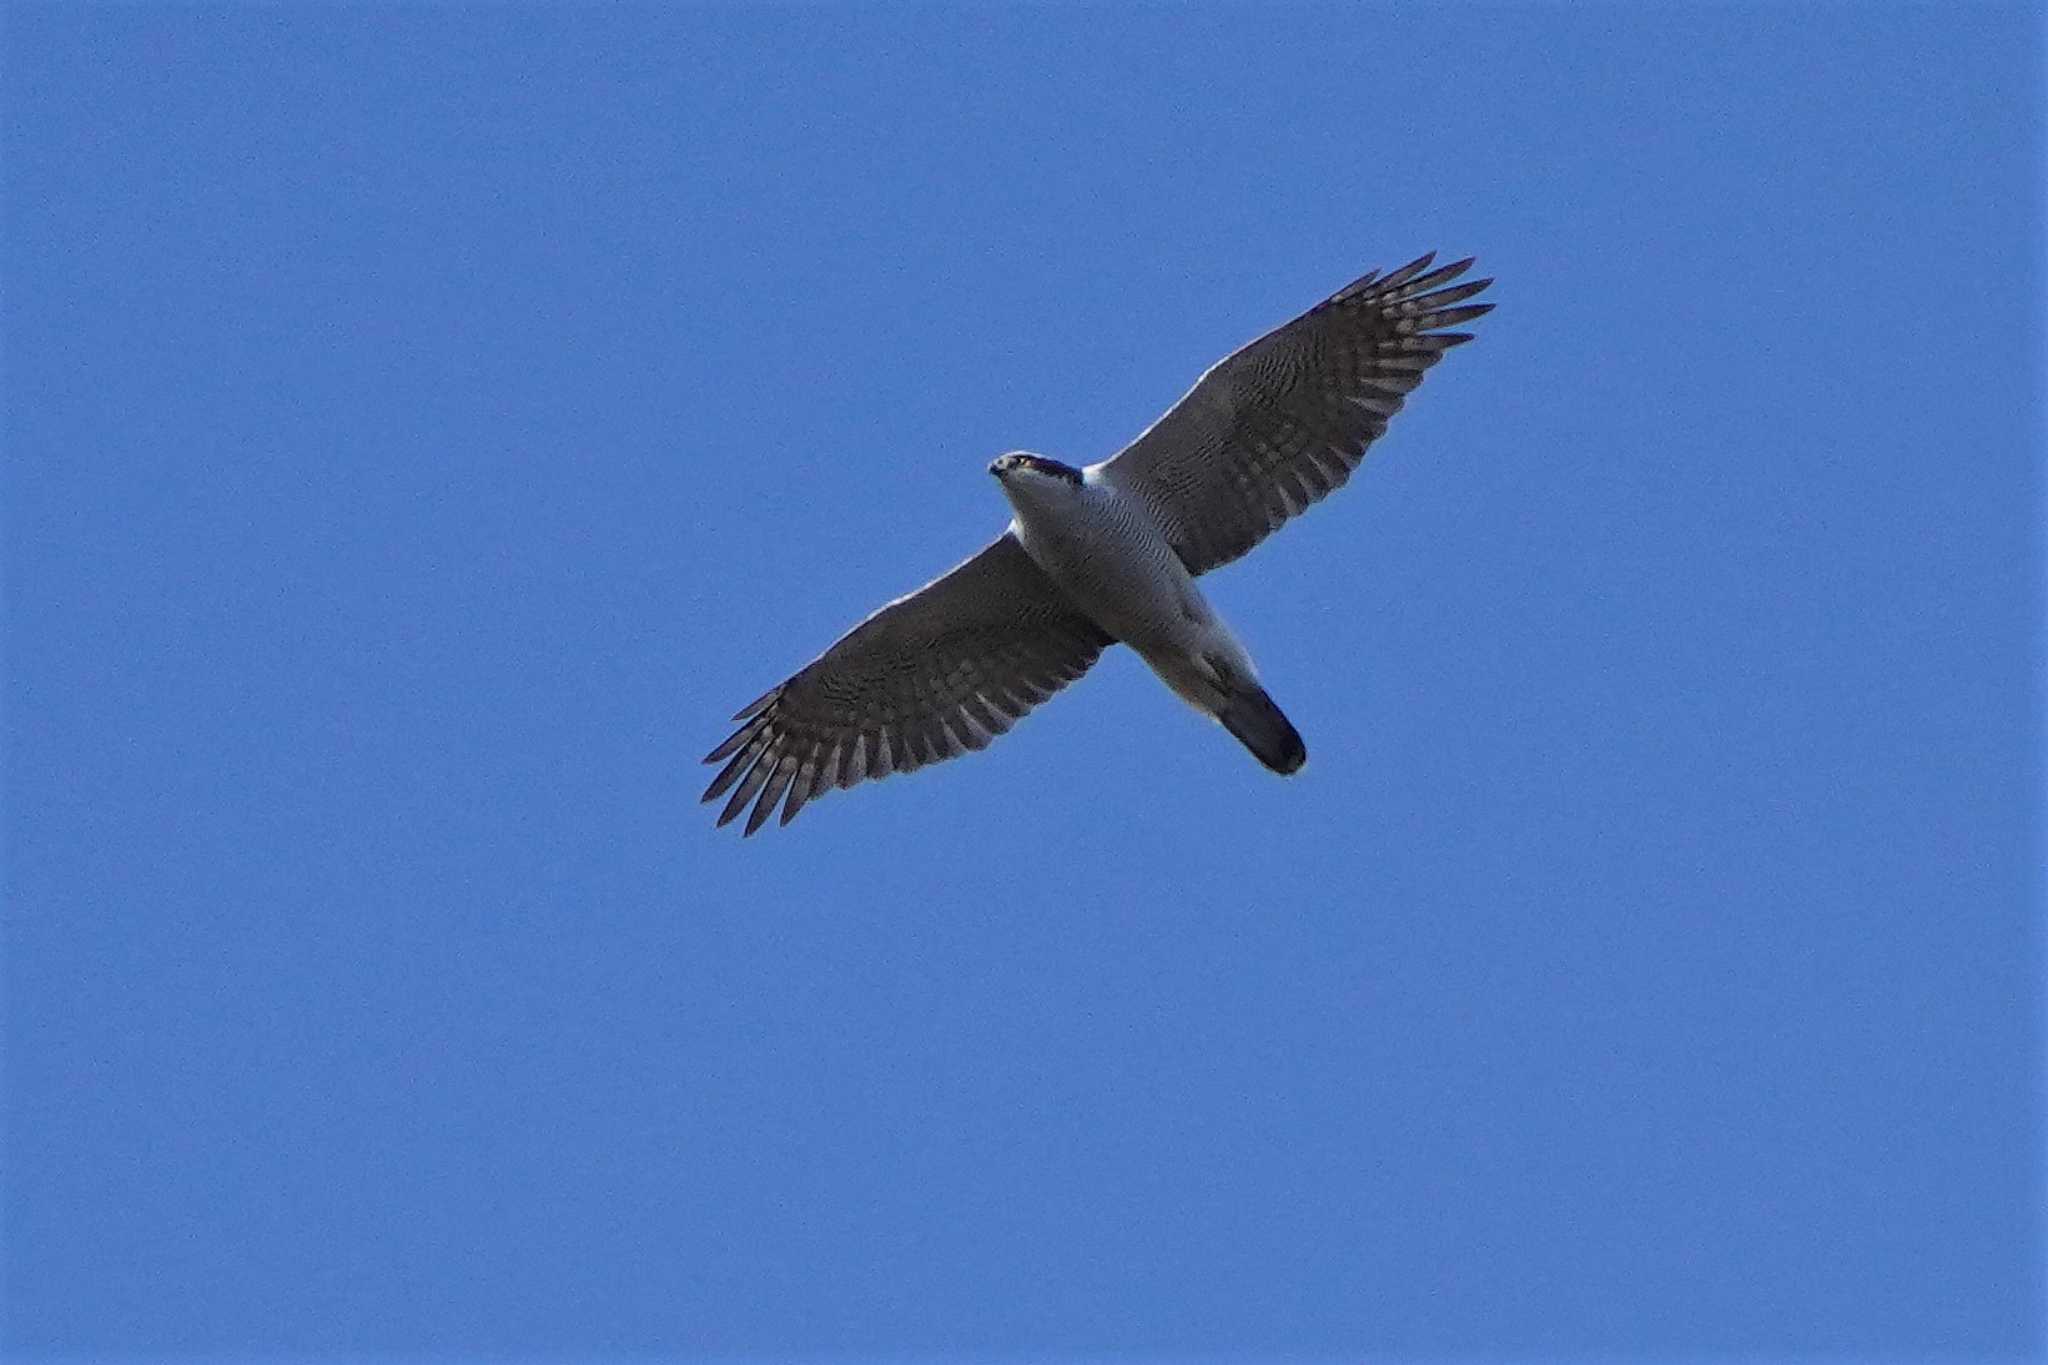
424, 425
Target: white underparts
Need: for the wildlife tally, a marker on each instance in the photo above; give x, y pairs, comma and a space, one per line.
1109, 557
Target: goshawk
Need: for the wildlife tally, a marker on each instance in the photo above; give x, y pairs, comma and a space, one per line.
1109, 553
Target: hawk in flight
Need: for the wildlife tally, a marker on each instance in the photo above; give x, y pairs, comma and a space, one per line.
1109, 553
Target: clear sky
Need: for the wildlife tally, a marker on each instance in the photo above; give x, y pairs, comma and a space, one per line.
424, 426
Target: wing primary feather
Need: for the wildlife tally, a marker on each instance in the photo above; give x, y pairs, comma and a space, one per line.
1451, 317
853, 767
1406, 273
1356, 287
771, 792
1443, 298
737, 741
1405, 366
800, 789
827, 776
1439, 275
745, 792
733, 771
759, 703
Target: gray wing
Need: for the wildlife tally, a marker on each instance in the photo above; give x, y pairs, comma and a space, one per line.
1284, 420
929, 676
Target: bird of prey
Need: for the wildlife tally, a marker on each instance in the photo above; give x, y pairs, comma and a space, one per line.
1109, 554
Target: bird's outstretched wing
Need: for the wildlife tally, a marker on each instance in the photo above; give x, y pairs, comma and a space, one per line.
929, 676
1285, 419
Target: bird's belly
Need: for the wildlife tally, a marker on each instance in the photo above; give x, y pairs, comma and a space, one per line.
1134, 587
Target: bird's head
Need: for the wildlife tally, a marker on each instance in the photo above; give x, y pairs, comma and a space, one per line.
1021, 469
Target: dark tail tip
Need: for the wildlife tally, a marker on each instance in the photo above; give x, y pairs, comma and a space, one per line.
1261, 727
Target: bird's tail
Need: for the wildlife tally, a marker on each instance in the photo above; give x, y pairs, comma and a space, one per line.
1261, 727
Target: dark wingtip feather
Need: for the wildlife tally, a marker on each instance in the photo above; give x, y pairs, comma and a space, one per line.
746, 791
758, 704
1443, 274
1445, 297
1406, 272
731, 773
772, 791
808, 774
736, 741
1451, 317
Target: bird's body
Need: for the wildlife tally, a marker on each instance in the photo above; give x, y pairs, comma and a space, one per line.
1102, 548
1104, 551
1109, 554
